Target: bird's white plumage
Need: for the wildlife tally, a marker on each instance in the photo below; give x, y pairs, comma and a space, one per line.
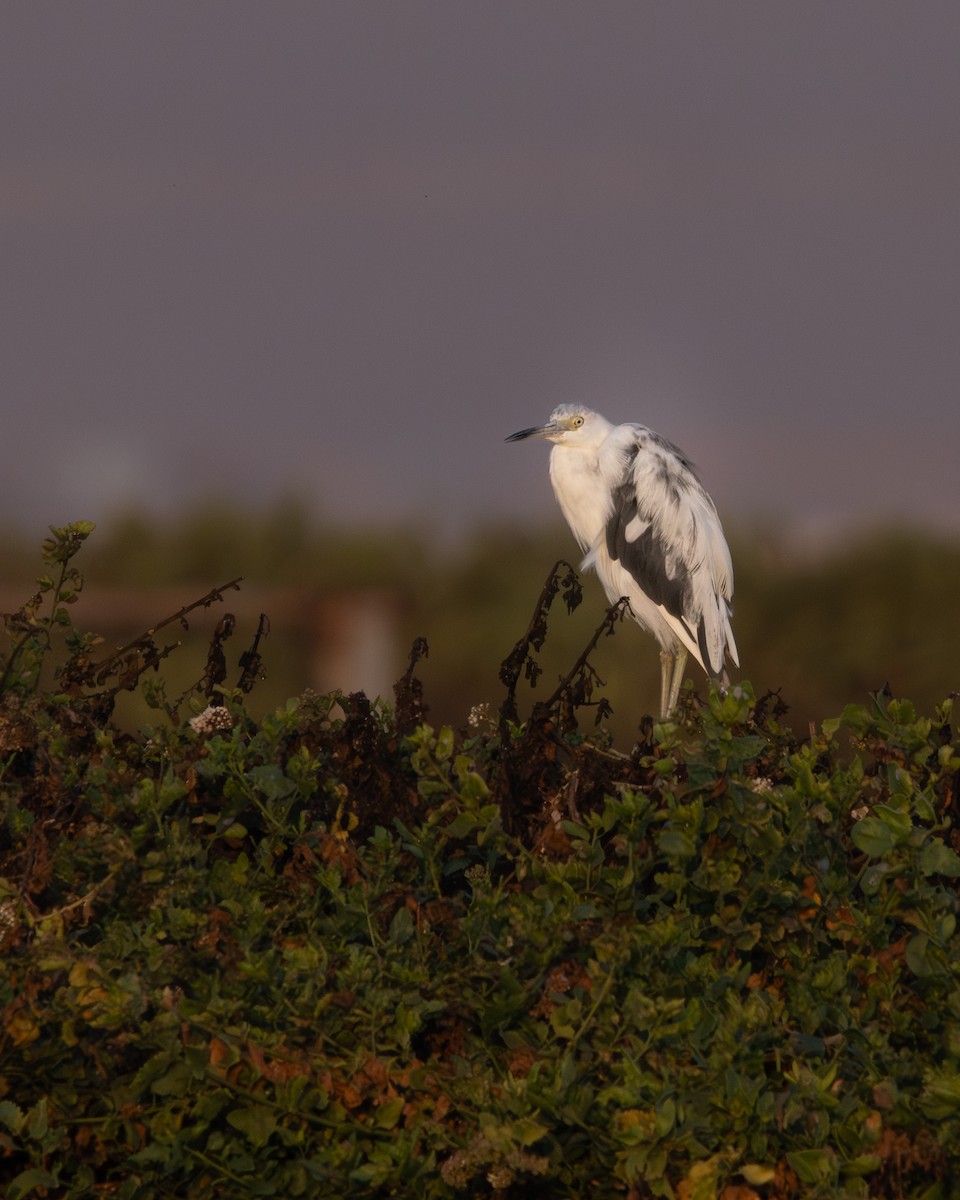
649, 529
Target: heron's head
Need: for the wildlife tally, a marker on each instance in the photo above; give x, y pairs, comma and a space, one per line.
569, 425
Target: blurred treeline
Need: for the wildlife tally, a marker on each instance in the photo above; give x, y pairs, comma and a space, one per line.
824, 629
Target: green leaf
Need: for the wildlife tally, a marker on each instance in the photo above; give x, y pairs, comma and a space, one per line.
675, 844
758, 1173
461, 825
856, 717
255, 1122
873, 837
445, 744
897, 822
37, 1120
915, 955
526, 1131
473, 787
873, 878
271, 781
11, 1115
813, 1166
28, 1181
808, 1045
174, 1083
401, 927
863, 1164
940, 1097
389, 1114
936, 858
666, 1116
702, 1179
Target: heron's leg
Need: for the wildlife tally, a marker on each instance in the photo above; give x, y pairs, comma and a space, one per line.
678, 668
667, 661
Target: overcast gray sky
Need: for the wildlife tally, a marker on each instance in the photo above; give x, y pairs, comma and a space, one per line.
342, 249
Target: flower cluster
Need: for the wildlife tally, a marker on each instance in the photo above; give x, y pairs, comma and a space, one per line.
214, 719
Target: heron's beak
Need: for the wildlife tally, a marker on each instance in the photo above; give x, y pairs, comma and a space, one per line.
551, 429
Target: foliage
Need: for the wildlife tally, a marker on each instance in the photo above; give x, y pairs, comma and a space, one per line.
30, 630
341, 952
821, 625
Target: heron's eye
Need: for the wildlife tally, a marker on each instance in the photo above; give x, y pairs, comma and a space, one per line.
576, 422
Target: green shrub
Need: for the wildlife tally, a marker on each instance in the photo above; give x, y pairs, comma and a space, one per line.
342, 953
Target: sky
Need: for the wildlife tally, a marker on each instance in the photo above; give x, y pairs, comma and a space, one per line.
339, 250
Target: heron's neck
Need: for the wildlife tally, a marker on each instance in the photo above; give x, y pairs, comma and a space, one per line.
575, 475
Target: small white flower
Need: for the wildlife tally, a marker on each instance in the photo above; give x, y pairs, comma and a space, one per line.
8, 915
213, 719
479, 715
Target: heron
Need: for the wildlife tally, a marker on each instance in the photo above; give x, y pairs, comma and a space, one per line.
635, 504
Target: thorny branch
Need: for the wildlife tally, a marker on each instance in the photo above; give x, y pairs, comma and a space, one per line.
212, 597
529, 765
251, 663
409, 707
520, 659
576, 687
132, 660
215, 671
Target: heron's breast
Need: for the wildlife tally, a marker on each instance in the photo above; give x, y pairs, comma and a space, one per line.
581, 494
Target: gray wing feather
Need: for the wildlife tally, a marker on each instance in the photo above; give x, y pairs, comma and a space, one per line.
664, 530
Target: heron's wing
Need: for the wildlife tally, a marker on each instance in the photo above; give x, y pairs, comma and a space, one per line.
664, 531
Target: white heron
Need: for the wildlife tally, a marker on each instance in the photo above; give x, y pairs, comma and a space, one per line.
634, 503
